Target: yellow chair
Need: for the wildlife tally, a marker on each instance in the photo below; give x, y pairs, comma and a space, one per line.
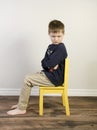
56, 90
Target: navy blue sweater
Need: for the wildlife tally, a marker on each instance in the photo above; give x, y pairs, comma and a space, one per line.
55, 54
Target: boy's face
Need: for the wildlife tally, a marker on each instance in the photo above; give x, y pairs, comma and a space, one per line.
56, 38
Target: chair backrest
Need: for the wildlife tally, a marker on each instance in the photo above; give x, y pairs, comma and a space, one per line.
65, 84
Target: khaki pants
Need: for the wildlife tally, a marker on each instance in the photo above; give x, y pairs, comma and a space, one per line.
30, 80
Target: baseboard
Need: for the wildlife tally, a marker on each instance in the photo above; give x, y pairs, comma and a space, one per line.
35, 92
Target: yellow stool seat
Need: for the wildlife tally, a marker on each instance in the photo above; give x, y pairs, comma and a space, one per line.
56, 90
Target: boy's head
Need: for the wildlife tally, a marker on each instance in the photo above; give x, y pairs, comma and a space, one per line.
56, 31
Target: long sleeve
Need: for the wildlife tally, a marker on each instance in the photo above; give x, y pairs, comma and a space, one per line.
55, 58
45, 58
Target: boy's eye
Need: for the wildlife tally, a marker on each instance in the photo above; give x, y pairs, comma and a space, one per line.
56, 36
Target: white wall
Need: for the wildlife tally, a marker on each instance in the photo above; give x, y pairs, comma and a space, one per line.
24, 40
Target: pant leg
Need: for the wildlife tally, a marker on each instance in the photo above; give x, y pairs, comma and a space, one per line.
38, 79
24, 97
30, 80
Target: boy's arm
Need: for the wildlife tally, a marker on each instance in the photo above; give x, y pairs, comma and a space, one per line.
54, 68
45, 57
51, 69
54, 59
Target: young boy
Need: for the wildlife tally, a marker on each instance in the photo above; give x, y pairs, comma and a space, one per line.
53, 68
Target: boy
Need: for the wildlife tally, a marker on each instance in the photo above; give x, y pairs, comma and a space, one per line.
53, 68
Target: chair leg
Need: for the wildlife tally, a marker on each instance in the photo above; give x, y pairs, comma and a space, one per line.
67, 106
41, 103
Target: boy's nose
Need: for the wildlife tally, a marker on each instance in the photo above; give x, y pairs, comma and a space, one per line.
56, 38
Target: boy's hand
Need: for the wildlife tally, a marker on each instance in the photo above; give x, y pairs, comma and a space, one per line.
54, 68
